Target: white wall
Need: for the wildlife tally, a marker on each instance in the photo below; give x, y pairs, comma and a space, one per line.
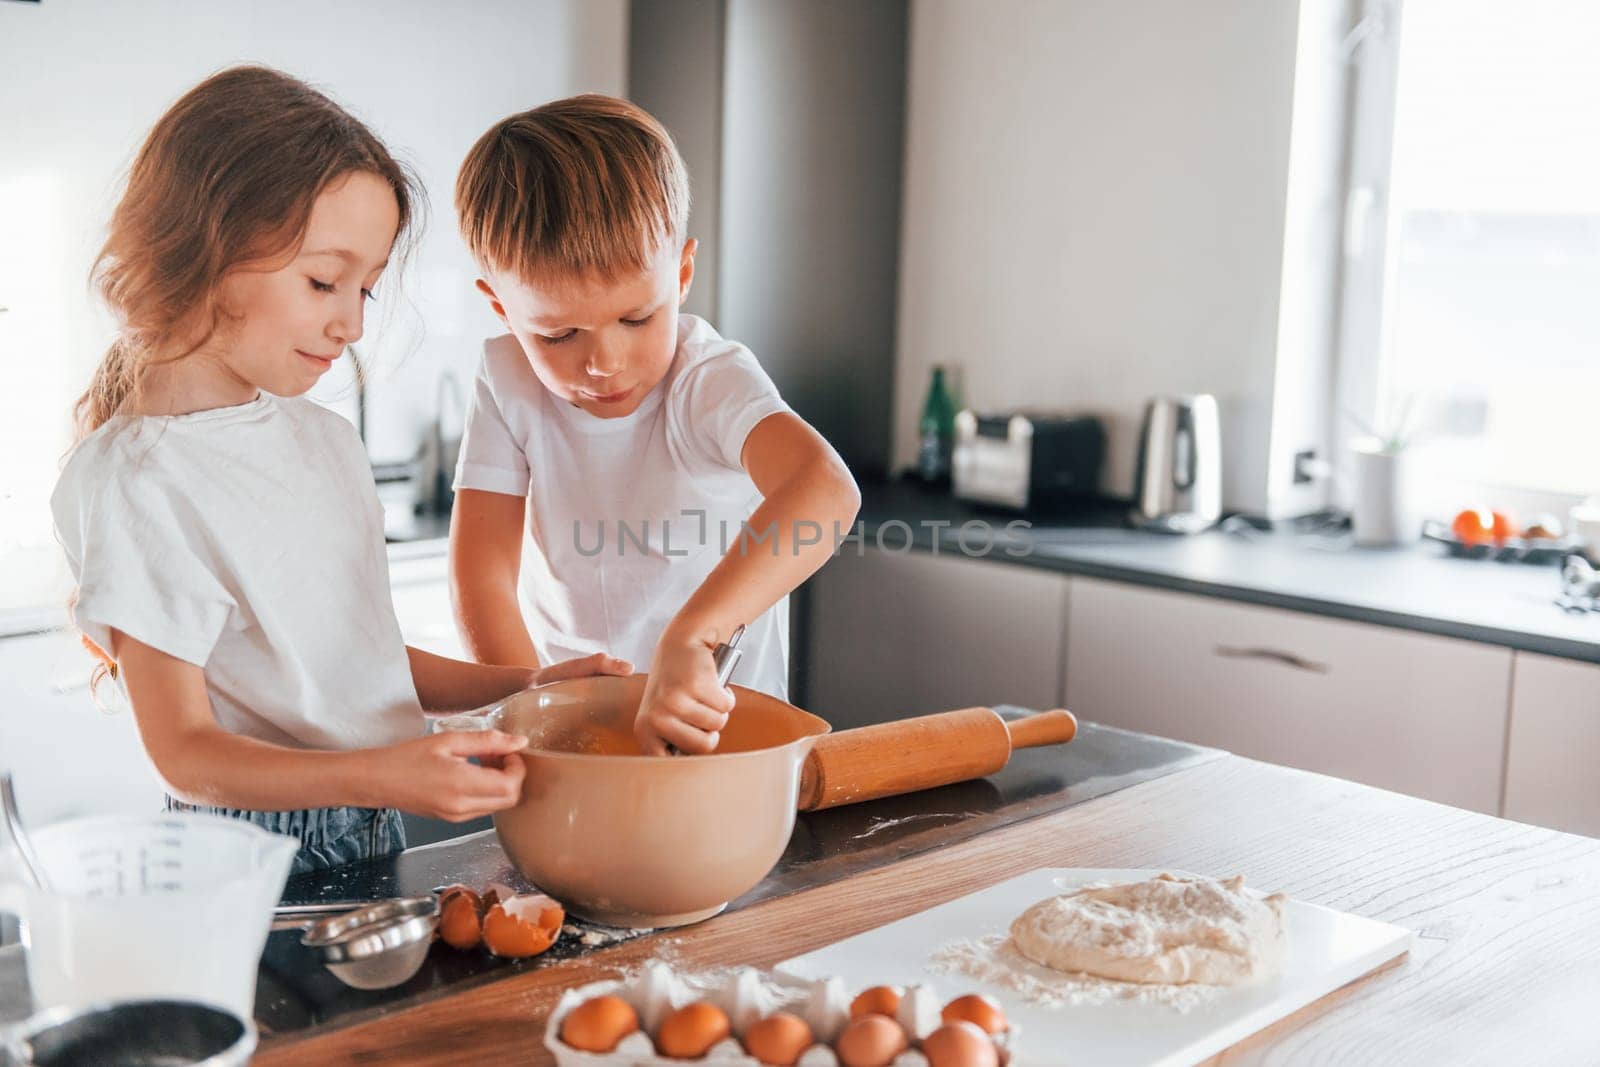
1095, 208
82, 82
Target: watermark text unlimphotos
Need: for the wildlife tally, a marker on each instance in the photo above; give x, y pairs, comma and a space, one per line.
693, 532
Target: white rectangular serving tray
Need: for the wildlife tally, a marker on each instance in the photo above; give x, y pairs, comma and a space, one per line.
1326, 950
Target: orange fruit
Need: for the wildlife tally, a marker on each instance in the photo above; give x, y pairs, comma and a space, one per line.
1503, 528
1474, 526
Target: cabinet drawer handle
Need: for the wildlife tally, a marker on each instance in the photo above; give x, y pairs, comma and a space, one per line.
1288, 659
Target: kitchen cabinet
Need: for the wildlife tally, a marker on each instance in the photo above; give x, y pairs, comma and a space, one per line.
898, 634
1553, 753
1412, 712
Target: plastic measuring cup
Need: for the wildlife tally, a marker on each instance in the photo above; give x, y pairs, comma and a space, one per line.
172, 906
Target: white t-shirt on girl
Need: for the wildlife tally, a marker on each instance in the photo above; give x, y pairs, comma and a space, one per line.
627, 516
248, 541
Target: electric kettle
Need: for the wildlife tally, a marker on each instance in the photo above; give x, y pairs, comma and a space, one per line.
1179, 488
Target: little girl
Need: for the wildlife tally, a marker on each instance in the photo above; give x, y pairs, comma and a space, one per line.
224, 532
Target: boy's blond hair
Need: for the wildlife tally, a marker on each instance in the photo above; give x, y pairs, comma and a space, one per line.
586, 185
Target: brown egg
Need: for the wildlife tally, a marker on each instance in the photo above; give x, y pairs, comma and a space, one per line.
981, 1011
779, 1039
870, 1041
460, 917
689, 1032
879, 1000
960, 1044
598, 1025
523, 925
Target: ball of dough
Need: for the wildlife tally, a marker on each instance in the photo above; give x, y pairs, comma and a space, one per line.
1165, 930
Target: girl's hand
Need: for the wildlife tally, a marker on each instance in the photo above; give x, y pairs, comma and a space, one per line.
683, 705
582, 667
432, 776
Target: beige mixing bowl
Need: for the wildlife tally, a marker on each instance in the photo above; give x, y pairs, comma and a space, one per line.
632, 840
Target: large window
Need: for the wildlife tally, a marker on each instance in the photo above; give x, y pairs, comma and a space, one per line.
1472, 298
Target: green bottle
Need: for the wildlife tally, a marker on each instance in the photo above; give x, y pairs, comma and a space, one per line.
936, 432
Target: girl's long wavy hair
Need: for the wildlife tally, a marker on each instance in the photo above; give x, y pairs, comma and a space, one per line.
227, 177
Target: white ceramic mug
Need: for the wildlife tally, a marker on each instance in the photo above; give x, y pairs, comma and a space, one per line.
1584, 523
1378, 510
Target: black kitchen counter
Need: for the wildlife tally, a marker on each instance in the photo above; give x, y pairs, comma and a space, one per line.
296, 993
1415, 587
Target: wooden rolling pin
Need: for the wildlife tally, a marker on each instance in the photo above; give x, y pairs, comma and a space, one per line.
921, 753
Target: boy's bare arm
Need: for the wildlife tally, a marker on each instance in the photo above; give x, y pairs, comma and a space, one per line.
485, 556
808, 493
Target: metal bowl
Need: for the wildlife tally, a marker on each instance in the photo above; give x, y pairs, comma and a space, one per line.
135, 1033
378, 946
632, 840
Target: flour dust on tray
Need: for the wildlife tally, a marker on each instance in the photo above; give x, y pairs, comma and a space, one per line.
1168, 940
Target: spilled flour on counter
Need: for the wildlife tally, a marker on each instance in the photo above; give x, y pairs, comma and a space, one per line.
879, 824
995, 960
598, 936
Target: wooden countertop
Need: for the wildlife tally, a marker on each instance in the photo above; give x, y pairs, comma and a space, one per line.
1504, 966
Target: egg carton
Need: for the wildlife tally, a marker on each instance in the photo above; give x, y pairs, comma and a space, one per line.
746, 995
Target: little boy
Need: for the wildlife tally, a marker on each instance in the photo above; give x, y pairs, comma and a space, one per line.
668, 493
